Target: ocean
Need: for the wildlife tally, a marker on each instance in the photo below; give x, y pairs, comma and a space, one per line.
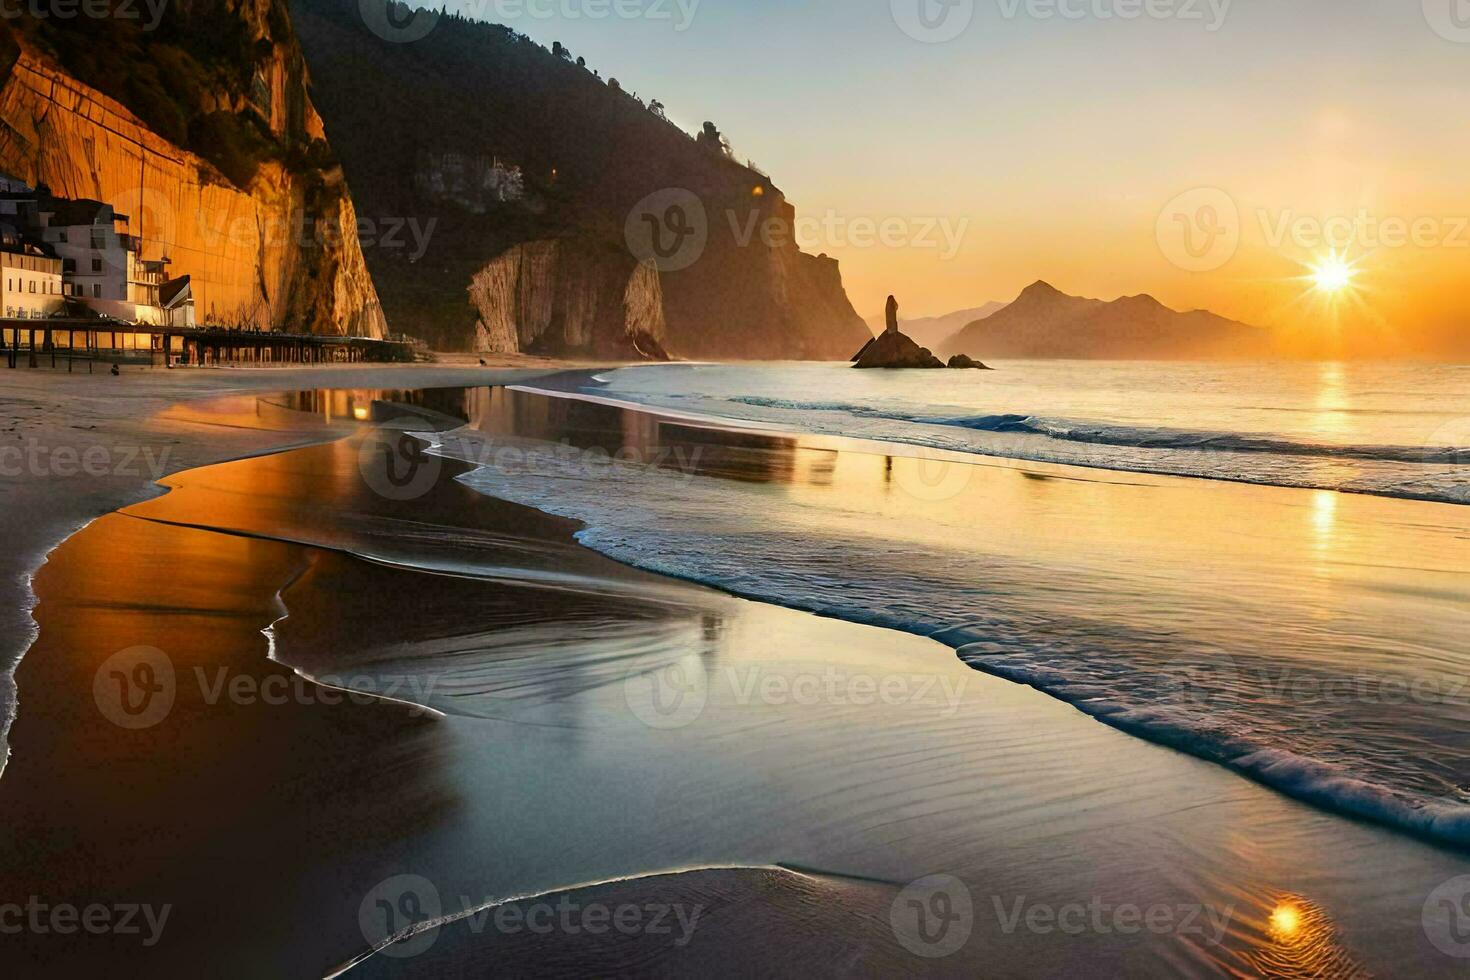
1309, 631
1394, 429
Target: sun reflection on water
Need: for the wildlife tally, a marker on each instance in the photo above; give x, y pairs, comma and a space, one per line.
1298, 940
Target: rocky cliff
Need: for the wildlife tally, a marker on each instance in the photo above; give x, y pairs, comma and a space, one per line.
266, 231
568, 297
467, 100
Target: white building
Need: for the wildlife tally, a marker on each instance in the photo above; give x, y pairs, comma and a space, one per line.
101, 265
31, 284
100, 259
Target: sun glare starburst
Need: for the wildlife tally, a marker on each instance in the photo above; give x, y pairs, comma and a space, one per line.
1333, 273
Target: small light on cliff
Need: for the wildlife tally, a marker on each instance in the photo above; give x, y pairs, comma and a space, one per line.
758, 191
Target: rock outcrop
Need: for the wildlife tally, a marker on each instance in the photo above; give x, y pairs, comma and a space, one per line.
567, 296
894, 350
965, 362
280, 253
593, 160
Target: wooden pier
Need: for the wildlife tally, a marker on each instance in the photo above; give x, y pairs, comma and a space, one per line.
34, 342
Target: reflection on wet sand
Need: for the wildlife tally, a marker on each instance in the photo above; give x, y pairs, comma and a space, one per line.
598, 722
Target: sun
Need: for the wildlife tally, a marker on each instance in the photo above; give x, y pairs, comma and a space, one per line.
1333, 274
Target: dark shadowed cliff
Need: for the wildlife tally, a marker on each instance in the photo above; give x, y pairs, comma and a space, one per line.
533, 170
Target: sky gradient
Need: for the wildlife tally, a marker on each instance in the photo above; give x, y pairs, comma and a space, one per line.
1058, 147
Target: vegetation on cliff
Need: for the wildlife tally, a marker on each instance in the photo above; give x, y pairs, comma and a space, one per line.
193, 76
409, 117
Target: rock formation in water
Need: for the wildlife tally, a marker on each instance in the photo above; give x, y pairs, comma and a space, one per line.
202, 133
934, 331
965, 362
892, 349
568, 297
504, 144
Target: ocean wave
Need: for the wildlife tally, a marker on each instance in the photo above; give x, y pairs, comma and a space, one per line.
1134, 437
1148, 677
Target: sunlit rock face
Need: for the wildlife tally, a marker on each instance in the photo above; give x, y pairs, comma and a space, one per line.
281, 254
569, 297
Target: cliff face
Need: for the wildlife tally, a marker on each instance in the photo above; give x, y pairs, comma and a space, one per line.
569, 297
280, 252
470, 101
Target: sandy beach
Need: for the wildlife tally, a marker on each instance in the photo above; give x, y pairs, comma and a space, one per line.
812, 791
77, 446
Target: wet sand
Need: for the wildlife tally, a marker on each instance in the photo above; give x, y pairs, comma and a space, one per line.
76, 446
279, 824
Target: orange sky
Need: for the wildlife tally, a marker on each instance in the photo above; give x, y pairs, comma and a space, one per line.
1051, 147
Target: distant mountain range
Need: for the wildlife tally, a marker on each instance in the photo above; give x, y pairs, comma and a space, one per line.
1044, 322
932, 331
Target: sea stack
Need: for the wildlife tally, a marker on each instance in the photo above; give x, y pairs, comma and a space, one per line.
894, 350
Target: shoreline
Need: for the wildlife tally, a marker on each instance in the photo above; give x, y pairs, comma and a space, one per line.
1334, 787
537, 775
70, 415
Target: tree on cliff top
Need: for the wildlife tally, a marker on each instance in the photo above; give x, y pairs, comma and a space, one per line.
710, 138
